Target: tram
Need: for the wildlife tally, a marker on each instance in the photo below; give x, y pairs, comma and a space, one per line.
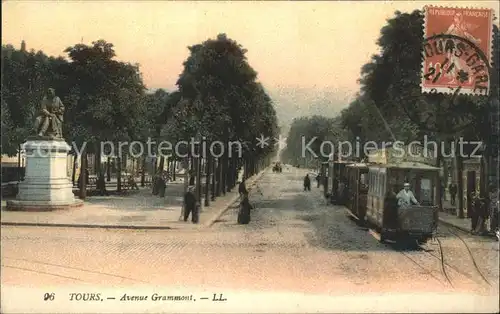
337, 174
357, 185
403, 222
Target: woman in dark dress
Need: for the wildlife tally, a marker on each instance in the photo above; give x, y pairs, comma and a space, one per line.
245, 208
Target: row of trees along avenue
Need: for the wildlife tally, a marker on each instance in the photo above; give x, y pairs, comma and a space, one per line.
218, 99
391, 106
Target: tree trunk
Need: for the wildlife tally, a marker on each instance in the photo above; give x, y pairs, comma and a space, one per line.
94, 158
460, 186
217, 178
143, 172
108, 170
439, 179
252, 166
213, 179
446, 175
162, 164
235, 171
198, 180
83, 174
207, 180
229, 177
175, 170
224, 174
186, 167
118, 174
155, 165
101, 182
249, 166
483, 188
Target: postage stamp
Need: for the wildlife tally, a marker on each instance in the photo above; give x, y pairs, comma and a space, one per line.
457, 50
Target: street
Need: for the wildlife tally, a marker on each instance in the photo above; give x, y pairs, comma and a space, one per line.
295, 242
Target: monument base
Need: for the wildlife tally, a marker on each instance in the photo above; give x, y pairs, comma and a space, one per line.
46, 185
39, 206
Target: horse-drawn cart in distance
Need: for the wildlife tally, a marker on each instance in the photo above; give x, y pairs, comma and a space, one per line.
277, 167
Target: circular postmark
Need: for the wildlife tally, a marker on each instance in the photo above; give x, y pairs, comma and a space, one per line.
455, 74
454, 64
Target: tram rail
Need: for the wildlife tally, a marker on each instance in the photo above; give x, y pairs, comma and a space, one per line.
445, 266
476, 267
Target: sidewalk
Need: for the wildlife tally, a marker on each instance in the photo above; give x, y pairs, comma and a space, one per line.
138, 210
463, 224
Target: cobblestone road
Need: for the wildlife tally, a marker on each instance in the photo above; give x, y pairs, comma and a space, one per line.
295, 242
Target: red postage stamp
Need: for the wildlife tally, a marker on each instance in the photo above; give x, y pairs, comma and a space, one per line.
457, 50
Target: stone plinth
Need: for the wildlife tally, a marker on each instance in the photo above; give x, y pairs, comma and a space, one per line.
46, 185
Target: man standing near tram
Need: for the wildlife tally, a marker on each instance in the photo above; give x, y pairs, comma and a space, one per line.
405, 196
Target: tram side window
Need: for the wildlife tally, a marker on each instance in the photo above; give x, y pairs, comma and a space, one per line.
382, 184
425, 191
362, 182
370, 182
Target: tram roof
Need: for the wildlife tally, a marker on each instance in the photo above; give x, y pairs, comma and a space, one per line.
358, 165
338, 162
405, 165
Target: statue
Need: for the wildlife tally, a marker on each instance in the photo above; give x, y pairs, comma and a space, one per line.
49, 121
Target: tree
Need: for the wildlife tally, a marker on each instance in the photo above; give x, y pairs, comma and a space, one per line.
105, 99
26, 77
392, 81
8, 133
316, 130
221, 100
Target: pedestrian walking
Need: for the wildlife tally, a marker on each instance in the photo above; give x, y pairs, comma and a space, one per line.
480, 213
318, 179
190, 205
453, 193
493, 204
242, 188
335, 189
156, 184
245, 209
162, 186
307, 183
390, 219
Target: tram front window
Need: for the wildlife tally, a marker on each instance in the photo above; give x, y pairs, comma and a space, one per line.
363, 186
426, 192
405, 197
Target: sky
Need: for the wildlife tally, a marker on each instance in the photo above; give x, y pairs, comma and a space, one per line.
308, 55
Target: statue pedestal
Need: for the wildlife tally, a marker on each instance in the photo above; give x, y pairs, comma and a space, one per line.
46, 185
